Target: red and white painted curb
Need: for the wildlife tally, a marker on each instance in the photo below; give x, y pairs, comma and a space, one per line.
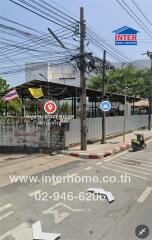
117, 149
83, 155
107, 152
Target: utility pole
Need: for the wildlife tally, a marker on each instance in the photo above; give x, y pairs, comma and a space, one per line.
150, 95
103, 95
124, 121
149, 54
83, 113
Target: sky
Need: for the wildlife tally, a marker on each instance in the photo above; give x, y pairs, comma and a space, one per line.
103, 15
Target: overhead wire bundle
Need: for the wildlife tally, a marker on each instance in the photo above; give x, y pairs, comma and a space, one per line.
37, 46
138, 19
98, 41
48, 12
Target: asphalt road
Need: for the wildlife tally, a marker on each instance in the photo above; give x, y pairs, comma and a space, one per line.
78, 215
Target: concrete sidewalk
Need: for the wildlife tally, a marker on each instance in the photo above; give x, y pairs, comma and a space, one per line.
112, 146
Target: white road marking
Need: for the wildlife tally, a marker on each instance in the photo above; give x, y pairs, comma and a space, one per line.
147, 165
60, 216
6, 215
145, 155
87, 168
149, 140
5, 207
99, 163
33, 193
144, 195
119, 163
129, 169
116, 156
130, 174
138, 160
122, 153
21, 232
38, 234
141, 154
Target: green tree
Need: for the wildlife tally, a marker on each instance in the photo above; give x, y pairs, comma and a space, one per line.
14, 105
65, 107
3, 86
95, 82
136, 80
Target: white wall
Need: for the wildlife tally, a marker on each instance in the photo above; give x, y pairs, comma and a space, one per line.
32, 71
54, 73
113, 125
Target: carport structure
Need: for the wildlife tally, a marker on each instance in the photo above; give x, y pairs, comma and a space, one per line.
57, 92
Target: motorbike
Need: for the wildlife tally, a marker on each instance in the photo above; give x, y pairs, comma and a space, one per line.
138, 143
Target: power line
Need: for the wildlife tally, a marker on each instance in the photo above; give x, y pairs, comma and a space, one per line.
118, 53
140, 23
49, 18
101, 47
139, 9
19, 24
21, 68
41, 43
61, 11
35, 39
98, 43
108, 45
95, 31
57, 11
136, 16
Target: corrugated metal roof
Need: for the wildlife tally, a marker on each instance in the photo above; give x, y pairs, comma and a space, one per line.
51, 88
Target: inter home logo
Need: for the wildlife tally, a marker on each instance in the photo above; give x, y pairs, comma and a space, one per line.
125, 36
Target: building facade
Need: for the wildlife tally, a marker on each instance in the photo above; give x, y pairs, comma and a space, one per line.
61, 73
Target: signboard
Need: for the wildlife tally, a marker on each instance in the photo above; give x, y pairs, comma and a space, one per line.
125, 36
50, 107
105, 106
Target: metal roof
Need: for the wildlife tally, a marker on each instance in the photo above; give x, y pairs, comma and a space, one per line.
62, 91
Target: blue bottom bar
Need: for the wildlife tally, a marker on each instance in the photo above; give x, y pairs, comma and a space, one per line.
125, 42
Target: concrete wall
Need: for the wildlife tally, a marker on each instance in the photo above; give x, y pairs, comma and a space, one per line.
31, 136
35, 136
57, 138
